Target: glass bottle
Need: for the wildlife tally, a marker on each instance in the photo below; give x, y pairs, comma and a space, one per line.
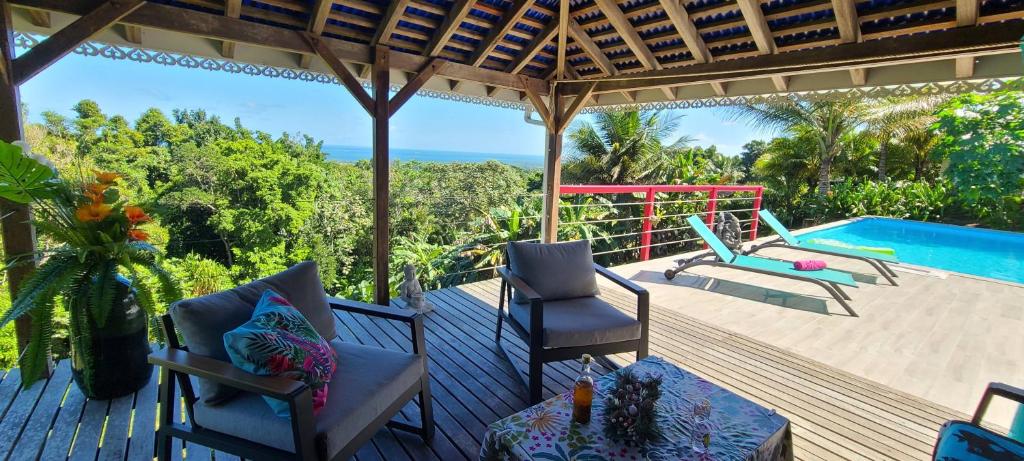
583, 393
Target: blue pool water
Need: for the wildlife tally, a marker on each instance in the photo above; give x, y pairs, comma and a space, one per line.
982, 252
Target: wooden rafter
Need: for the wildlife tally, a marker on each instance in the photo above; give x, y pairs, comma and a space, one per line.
687, 31
629, 35
133, 34
63, 41
849, 32
498, 32
539, 42
232, 9
966, 15
758, 25
989, 39
460, 9
563, 38
591, 49
781, 82
576, 106
396, 9
317, 22
39, 18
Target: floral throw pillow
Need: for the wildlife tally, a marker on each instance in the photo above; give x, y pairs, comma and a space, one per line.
279, 341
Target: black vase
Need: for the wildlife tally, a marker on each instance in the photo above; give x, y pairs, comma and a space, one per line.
109, 361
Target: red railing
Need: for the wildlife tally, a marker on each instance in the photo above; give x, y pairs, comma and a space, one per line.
650, 192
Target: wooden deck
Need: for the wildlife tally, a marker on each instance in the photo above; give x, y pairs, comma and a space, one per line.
835, 414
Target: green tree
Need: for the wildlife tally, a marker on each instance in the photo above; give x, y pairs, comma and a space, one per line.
619, 148
829, 123
982, 142
752, 151
892, 120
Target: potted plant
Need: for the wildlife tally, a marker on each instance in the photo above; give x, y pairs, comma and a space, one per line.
100, 266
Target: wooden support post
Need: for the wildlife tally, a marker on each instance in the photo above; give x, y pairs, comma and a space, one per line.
552, 170
381, 176
18, 232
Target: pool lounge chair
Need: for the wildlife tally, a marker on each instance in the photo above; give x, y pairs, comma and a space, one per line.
724, 257
788, 240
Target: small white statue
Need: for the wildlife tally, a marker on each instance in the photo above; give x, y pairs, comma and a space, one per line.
412, 293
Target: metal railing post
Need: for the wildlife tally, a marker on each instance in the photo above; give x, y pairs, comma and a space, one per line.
712, 205
755, 214
645, 236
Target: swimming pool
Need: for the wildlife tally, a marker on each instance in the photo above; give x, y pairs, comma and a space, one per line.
981, 252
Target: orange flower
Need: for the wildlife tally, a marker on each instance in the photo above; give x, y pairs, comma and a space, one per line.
95, 191
92, 212
135, 215
106, 177
138, 234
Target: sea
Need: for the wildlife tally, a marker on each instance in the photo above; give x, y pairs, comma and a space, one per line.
351, 154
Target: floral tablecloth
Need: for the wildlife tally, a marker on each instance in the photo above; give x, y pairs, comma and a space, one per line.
740, 429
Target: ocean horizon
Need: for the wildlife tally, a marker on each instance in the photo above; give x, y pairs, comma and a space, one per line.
351, 154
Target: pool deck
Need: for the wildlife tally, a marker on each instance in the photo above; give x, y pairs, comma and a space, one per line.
939, 336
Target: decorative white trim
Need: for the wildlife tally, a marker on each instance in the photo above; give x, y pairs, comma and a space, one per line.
950, 87
143, 55
120, 52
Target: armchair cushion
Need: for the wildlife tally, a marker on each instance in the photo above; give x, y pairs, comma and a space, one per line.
279, 341
370, 379
580, 322
964, 441
554, 270
204, 320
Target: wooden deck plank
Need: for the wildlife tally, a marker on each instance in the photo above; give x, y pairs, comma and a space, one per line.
58, 444
141, 441
17, 416
835, 414
30, 445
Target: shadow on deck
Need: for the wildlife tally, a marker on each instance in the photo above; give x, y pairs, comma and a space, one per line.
835, 415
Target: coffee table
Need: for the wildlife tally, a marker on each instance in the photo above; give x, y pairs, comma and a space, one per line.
740, 429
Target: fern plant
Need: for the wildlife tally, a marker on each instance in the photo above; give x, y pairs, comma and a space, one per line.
98, 240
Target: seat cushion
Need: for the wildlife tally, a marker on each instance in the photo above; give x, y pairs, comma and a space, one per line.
279, 341
369, 380
204, 320
580, 322
963, 441
554, 270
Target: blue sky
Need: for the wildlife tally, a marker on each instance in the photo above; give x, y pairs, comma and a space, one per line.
325, 112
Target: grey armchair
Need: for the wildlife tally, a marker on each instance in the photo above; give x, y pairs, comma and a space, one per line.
551, 294
370, 386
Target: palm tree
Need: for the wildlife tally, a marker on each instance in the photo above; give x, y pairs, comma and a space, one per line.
620, 148
891, 120
830, 123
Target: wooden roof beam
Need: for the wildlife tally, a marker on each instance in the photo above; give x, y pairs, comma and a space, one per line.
65, 40
684, 26
232, 9
966, 15
317, 22
849, 32
589, 47
344, 75
563, 38
781, 82
39, 18
133, 34
443, 33
543, 38
982, 40
215, 27
498, 32
396, 8
758, 25
628, 33
718, 88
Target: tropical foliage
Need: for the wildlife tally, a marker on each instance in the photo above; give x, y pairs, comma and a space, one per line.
97, 235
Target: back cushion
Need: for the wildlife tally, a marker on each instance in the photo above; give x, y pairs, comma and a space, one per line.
554, 270
204, 320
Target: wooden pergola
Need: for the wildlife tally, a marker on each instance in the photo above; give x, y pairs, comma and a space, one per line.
560, 57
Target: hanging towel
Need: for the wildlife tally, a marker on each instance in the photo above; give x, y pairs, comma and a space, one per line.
809, 265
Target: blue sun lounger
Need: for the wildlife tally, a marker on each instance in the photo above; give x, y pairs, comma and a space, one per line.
787, 240
828, 279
